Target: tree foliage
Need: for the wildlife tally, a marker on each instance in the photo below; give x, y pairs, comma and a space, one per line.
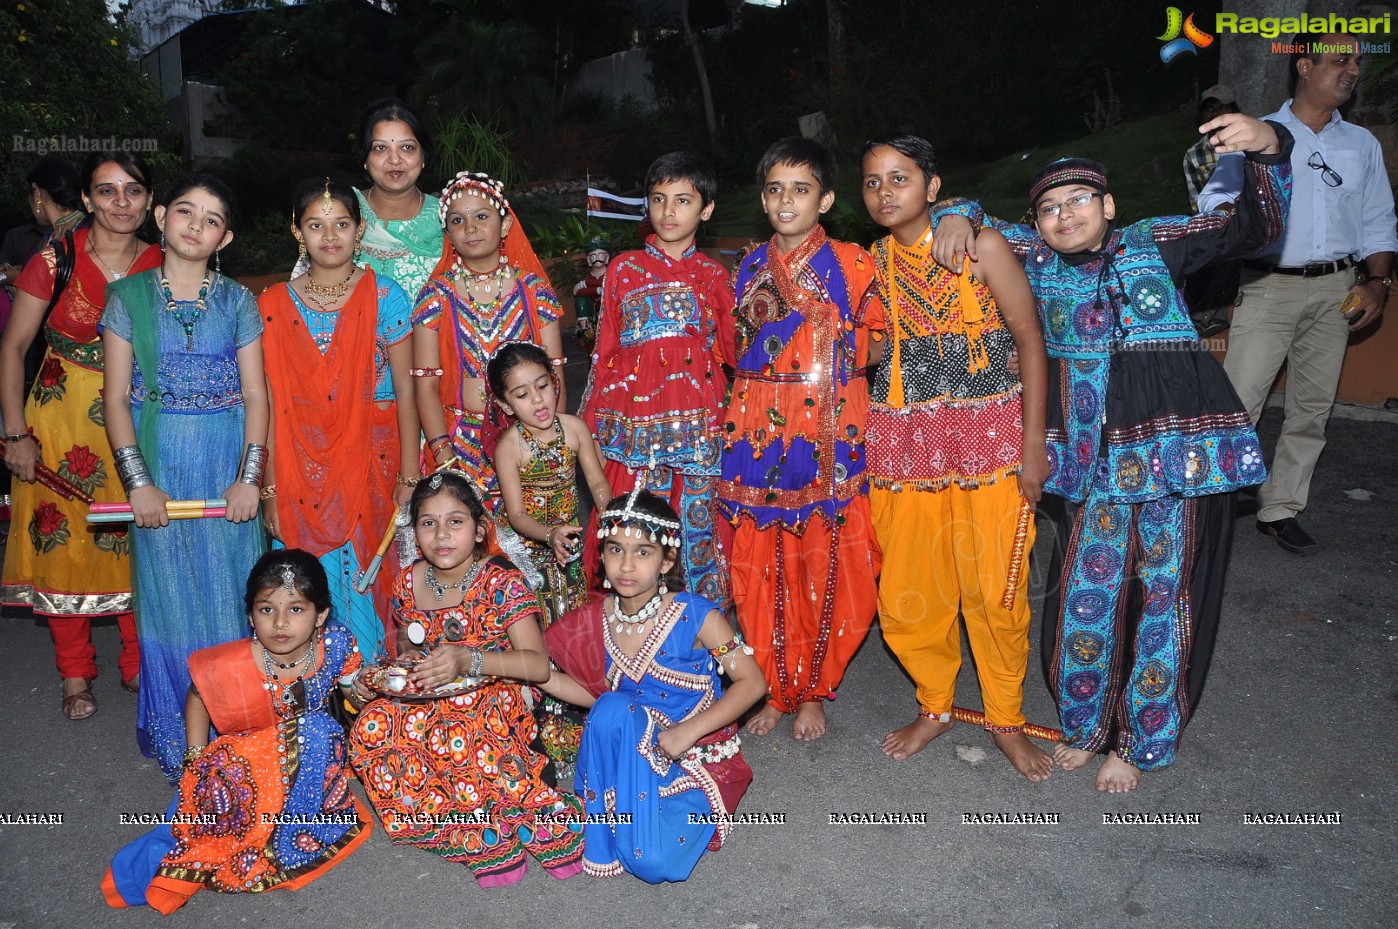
305, 75
67, 78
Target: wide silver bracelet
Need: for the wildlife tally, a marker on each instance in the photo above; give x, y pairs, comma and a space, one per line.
254, 463
477, 663
131, 468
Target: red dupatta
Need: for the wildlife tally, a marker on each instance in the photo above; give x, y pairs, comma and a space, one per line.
332, 486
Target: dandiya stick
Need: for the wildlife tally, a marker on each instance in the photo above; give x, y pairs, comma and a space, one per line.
211, 503
372, 571
1026, 515
47, 477
963, 715
376, 562
175, 513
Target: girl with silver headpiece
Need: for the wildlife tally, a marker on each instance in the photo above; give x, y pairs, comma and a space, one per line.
647, 661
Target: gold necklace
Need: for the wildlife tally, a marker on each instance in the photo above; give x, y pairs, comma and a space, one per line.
326, 294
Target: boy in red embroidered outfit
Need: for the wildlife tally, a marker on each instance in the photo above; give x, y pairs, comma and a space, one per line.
804, 556
655, 395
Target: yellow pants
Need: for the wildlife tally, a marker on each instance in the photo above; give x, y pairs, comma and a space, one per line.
946, 553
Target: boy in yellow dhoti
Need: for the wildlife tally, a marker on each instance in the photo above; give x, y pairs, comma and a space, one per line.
947, 430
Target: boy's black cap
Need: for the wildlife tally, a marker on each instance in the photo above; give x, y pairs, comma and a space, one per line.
1082, 171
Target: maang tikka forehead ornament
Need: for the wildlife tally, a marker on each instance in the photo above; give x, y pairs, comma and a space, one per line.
630, 522
289, 580
473, 182
327, 202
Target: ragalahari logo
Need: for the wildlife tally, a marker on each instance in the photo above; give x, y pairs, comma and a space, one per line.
1176, 44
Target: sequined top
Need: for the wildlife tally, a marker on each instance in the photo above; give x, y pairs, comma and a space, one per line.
1134, 401
549, 479
944, 407
794, 430
479, 329
656, 390
203, 379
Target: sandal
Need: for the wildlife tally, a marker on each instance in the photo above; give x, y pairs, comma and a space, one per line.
82, 704
132, 684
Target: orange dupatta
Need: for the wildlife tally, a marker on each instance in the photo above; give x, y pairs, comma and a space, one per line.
329, 433
230, 684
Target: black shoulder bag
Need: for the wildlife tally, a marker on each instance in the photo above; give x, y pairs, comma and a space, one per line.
66, 254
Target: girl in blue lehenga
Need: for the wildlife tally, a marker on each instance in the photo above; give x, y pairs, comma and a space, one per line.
186, 410
659, 770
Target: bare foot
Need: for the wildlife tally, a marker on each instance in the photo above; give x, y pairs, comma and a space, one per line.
1029, 759
1070, 759
902, 744
810, 721
1116, 776
765, 721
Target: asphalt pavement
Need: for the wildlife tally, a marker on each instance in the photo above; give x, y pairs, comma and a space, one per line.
1297, 721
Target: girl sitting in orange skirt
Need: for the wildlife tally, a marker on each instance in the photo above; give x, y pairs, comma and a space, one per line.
267, 804
450, 757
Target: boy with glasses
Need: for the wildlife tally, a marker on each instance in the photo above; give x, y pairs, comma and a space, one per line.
1146, 440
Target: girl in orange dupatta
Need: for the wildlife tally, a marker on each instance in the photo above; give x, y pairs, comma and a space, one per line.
266, 804
338, 356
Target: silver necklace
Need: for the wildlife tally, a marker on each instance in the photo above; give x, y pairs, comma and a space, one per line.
287, 698
439, 590
116, 275
630, 621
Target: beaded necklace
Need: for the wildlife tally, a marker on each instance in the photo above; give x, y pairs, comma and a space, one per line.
291, 693
633, 621
199, 306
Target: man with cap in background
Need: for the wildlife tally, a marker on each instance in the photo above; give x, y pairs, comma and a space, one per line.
1201, 159
1210, 291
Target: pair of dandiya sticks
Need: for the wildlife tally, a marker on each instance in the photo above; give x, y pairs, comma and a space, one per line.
215, 508
56, 482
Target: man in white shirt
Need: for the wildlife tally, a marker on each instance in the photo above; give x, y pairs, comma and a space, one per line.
1300, 299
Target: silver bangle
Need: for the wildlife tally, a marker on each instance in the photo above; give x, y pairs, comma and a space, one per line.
254, 463
131, 468
477, 663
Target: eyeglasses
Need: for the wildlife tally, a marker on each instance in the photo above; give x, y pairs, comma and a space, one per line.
1327, 173
1076, 203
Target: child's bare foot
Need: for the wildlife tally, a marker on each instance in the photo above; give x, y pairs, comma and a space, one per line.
765, 721
1116, 776
810, 721
1029, 759
902, 744
1070, 759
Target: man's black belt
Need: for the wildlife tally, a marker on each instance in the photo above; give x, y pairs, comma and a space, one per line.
1314, 269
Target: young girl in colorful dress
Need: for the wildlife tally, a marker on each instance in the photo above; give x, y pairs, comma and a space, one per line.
659, 770
458, 773
338, 357
269, 699
537, 462
186, 411
487, 290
